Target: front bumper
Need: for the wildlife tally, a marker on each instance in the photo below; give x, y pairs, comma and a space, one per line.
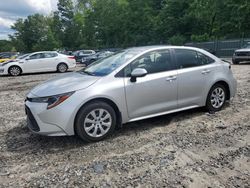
58, 121
241, 58
31, 121
37, 125
3, 71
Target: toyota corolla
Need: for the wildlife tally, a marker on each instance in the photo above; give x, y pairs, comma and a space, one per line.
131, 85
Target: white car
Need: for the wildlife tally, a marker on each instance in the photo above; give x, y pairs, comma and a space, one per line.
38, 62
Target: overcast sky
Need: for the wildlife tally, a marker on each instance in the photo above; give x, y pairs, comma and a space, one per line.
11, 10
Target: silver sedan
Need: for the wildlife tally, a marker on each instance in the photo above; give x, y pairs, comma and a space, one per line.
131, 85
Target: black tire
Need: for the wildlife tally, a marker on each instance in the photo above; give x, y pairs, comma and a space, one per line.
92, 61
84, 114
15, 71
62, 67
89, 62
210, 106
235, 62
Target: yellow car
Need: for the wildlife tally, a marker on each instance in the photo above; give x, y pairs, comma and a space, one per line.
6, 57
3, 60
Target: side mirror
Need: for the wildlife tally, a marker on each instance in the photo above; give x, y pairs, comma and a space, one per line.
138, 72
27, 58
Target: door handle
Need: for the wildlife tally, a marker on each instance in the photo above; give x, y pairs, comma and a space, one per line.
171, 78
206, 71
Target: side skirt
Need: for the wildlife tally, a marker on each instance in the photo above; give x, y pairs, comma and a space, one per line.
163, 113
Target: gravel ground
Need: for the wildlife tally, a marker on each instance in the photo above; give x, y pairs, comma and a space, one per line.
187, 149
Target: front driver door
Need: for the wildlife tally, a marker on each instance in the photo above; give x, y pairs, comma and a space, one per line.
157, 91
35, 63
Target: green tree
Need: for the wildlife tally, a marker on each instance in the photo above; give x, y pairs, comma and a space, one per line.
6, 46
34, 33
66, 25
123, 23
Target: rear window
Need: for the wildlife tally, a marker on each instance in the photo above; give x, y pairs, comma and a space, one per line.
190, 58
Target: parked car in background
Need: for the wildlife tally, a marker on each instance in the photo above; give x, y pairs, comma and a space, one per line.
131, 85
241, 55
83, 53
6, 56
38, 62
92, 58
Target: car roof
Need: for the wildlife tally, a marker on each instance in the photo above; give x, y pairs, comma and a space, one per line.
43, 52
146, 48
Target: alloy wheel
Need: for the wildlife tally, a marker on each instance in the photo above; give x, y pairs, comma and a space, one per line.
15, 71
97, 123
62, 68
217, 97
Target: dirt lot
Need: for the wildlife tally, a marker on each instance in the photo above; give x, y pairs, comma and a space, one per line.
187, 149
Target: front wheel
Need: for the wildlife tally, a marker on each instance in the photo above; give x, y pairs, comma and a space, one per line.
216, 98
15, 71
235, 62
95, 121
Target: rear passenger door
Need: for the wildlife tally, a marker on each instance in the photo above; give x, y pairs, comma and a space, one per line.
50, 61
194, 73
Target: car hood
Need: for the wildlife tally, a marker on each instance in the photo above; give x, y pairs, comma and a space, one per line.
243, 50
63, 84
9, 62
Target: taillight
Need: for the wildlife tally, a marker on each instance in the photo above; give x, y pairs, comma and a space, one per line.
71, 57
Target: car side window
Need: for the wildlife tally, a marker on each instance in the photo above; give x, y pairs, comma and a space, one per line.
153, 62
50, 55
84, 53
189, 58
87, 52
186, 58
203, 59
81, 53
37, 56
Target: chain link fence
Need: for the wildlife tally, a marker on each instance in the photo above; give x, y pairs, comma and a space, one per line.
221, 48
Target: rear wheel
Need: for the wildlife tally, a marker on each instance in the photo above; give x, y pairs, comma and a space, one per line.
95, 121
62, 67
15, 71
91, 61
216, 98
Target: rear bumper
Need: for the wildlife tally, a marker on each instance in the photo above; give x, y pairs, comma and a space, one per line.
233, 88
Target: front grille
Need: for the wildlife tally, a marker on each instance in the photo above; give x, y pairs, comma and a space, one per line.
242, 53
32, 124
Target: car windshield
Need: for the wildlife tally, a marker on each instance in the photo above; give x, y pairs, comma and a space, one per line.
246, 46
107, 65
22, 56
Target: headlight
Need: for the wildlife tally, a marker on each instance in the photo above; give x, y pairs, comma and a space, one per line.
52, 101
7, 62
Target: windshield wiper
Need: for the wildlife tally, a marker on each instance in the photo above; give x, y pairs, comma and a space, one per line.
86, 72
226, 61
